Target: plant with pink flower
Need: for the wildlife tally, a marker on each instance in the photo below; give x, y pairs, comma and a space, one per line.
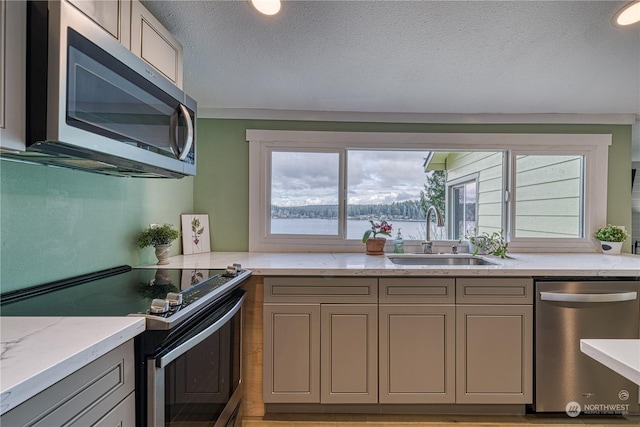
382, 227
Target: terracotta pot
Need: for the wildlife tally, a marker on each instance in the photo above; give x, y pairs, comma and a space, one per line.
375, 246
611, 248
162, 253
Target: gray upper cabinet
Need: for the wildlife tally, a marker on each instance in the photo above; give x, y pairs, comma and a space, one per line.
155, 44
13, 16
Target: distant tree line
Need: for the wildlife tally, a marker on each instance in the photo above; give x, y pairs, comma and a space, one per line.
408, 210
432, 194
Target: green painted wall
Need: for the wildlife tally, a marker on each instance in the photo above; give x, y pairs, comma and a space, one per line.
57, 223
221, 188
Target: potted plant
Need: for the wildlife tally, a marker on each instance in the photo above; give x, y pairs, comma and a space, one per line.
159, 236
611, 238
374, 244
485, 243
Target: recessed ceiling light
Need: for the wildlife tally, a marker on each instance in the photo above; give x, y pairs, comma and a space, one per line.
628, 15
266, 7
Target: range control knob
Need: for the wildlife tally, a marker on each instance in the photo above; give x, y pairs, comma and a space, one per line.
159, 306
174, 299
232, 270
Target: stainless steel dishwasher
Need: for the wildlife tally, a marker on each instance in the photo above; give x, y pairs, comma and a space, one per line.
565, 313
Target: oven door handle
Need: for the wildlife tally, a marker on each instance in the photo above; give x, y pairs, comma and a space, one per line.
565, 297
172, 355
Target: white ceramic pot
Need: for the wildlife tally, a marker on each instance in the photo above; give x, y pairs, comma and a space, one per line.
611, 248
162, 253
473, 247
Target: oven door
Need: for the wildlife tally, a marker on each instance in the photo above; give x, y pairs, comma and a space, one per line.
197, 378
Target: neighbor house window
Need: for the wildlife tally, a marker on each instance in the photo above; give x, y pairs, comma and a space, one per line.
316, 191
463, 206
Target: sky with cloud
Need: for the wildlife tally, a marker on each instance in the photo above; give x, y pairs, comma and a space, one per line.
374, 177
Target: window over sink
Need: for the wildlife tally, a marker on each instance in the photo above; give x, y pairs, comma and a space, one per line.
315, 191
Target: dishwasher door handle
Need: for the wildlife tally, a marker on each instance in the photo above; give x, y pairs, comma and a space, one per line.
564, 297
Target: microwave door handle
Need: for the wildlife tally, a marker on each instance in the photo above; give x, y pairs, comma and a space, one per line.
173, 132
194, 341
565, 297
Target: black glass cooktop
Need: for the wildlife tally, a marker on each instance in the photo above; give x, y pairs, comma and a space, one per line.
119, 293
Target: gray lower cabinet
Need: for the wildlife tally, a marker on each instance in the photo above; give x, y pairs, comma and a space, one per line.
494, 340
101, 393
320, 340
417, 344
291, 353
349, 353
398, 340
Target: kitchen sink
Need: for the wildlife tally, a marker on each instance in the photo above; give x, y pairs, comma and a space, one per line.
438, 259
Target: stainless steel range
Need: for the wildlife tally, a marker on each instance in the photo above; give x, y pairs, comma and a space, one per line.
188, 359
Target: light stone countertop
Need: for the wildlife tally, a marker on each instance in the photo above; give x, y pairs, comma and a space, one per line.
622, 356
37, 352
359, 264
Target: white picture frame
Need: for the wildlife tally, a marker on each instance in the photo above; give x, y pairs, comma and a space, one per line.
195, 234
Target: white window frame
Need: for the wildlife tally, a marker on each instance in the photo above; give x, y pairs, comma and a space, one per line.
594, 148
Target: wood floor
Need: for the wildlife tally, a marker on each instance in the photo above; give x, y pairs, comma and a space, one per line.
338, 420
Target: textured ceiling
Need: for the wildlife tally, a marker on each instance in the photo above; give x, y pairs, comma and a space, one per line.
408, 56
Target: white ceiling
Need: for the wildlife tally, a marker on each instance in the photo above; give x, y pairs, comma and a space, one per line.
460, 57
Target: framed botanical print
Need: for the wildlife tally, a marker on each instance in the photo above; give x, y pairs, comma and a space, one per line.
195, 234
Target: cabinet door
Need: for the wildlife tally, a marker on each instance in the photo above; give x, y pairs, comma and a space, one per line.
13, 16
113, 16
349, 353
155, 44
494, 354
417, 353
291, 353
123, 415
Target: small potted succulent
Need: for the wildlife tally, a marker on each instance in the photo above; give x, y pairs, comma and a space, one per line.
159, 236
611, 238
375, 244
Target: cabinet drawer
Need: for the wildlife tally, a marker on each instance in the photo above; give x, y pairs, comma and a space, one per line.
320, 290
504, 290
83, 397
417, 290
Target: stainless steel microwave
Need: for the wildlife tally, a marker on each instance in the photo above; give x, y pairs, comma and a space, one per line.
94, 105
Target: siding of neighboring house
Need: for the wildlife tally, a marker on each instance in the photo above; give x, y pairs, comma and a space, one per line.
488, 166
547, 194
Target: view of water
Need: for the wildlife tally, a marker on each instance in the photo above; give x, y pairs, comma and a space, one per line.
355, 228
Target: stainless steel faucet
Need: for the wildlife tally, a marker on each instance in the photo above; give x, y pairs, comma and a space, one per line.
428, 245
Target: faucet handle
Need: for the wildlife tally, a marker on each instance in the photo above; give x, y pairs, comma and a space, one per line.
428, 247
454, 249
